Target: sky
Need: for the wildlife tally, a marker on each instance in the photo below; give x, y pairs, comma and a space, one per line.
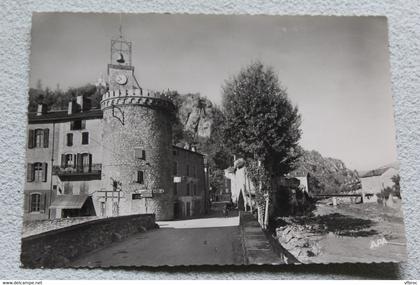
335, 69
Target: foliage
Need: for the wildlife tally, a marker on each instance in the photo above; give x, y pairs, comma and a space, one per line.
394, 190
261, 124
396, 187
58, 99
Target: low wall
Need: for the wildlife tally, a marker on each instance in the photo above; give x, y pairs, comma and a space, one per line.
39, 226
57, 248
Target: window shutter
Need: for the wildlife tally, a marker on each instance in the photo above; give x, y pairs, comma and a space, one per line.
46, 137
44, 172
31, 139
30, 175
90, 162
42, 202
26, 203
63, 161
79, 162
75, 161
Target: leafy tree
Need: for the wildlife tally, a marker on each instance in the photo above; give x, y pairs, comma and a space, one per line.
397, 190
260, 121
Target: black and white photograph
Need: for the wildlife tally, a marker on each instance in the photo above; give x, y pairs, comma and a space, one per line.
181, 139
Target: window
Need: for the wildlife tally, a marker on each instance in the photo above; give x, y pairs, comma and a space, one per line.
188, 189
195, 189
85, 138
69, 139
103, 209
38, 138
68, 161
140, 177
77, 125
175, 188
188, 170
175, 168
35, 202
140, 153
86, 162
37, 172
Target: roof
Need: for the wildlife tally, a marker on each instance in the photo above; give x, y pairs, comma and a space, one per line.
63, 116
376, 172
69, 202
188, 150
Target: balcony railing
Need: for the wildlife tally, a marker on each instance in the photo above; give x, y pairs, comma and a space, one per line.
78, 174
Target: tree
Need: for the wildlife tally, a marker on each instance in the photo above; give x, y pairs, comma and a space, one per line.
397, 190
261, 125
260, 121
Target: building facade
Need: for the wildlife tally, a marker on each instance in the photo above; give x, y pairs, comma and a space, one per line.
116, 160
374, 182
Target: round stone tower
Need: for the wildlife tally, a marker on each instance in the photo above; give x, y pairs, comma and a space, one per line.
137, 142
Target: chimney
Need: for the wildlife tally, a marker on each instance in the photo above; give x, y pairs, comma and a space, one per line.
70, 109
42, 109
79, 101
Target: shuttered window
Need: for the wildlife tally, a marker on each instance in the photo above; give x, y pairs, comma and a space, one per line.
85, 138
38, 138
139, 153
37, 172
78, 125
69, 139
35, 202
140, 177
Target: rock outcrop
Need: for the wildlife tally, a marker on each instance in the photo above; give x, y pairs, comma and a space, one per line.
326, 175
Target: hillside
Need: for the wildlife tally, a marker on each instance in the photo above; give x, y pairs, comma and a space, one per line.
326, 175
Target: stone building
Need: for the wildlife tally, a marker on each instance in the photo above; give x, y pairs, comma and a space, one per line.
116, 160
375, 181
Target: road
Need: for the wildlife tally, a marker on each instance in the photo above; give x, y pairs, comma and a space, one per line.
215, 240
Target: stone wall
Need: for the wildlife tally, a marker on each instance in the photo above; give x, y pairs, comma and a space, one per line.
57, 248
39, 226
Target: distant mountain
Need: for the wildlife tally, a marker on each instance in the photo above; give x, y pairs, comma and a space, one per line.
326, 175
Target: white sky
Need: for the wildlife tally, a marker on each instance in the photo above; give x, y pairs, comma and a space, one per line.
336, 69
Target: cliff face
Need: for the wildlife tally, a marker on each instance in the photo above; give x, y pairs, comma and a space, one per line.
326, 175
196, 115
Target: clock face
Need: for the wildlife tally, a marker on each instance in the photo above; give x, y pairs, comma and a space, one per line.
121, 79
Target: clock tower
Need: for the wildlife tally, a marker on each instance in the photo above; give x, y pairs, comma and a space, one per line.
137, 143
120, 69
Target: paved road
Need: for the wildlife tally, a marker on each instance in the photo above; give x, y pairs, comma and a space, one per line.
198, 241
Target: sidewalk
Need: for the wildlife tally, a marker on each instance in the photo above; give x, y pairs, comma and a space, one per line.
255, 244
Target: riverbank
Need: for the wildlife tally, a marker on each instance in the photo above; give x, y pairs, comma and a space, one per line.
346, 233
